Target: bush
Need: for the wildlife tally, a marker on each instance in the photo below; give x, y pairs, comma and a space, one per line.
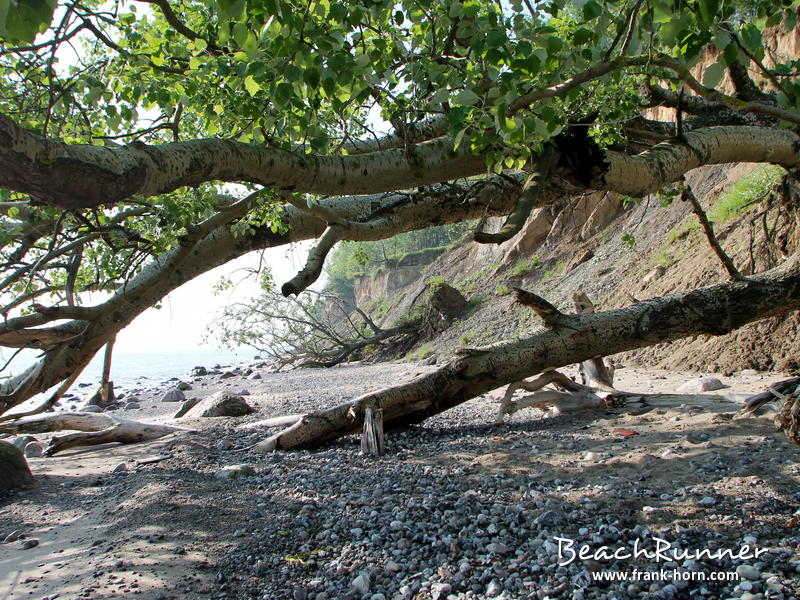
747, 191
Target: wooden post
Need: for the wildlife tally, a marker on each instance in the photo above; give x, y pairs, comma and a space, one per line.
107, 386
372, 436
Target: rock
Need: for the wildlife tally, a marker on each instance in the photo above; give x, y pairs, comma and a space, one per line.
21, 441
391, 567
132, 406
12, 537
497, 548
186, 407
90, 408
120, 468
244, 392
34, 450
748, 572
183, 386
227, 375
29, 543
446, 300
431, 360
221, 404
14, 471
701, 384
254, 375
94, 397
440, 591
361, 584
235, 472
199, 372
697, 437
550, 518
173, 395
493, 589
707, 501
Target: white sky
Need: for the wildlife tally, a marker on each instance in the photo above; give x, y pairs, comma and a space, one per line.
185, 313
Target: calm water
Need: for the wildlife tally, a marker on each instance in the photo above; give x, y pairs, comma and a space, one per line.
146, 369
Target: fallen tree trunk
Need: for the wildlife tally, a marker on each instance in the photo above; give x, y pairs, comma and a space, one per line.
715, 310
100, 429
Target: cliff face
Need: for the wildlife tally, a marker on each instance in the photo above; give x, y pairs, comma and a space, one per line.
366, 288
620, 250
616, 251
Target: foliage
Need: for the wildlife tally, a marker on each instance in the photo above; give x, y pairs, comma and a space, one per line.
746, 192
503, 290
524, 265
350, 259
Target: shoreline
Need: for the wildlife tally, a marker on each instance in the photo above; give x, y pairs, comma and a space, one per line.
456, 509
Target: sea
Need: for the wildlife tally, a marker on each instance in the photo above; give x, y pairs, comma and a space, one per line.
140, 370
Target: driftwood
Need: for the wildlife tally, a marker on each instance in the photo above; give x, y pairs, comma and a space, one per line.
372, 436
788, 418
597, 388
99, 428
568, 339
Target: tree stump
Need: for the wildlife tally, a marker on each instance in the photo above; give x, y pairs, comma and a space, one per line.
372, 436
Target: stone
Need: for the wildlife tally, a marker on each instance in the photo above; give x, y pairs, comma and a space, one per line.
183, 386
21, 441
550, 518
439, 591
120, 468
94, 397
227, 375
697, 437
431, 360
132, 406
221, 404
186, 407
748, 572
12, 537
254, 375
447, 300
199, 372
29, 543
361, 584
244, 392
701, 384
34, 450
497, 548
493, 589
14, 470
235, 472
707, 501
173, 395
392, 567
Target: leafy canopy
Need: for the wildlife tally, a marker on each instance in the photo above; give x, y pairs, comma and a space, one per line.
314, 75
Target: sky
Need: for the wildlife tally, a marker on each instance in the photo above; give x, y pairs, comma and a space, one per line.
181, 321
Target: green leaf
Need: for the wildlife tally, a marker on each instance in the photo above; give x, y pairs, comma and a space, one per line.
592, 10
251, 85
466, 98
713, 75
283, 93
22, 20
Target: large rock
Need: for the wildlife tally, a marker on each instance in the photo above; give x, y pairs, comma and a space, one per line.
701, 384
173, 395
94, 397
14, 471
221, 404
446, 300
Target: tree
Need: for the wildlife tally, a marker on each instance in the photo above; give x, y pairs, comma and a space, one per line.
111, 160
